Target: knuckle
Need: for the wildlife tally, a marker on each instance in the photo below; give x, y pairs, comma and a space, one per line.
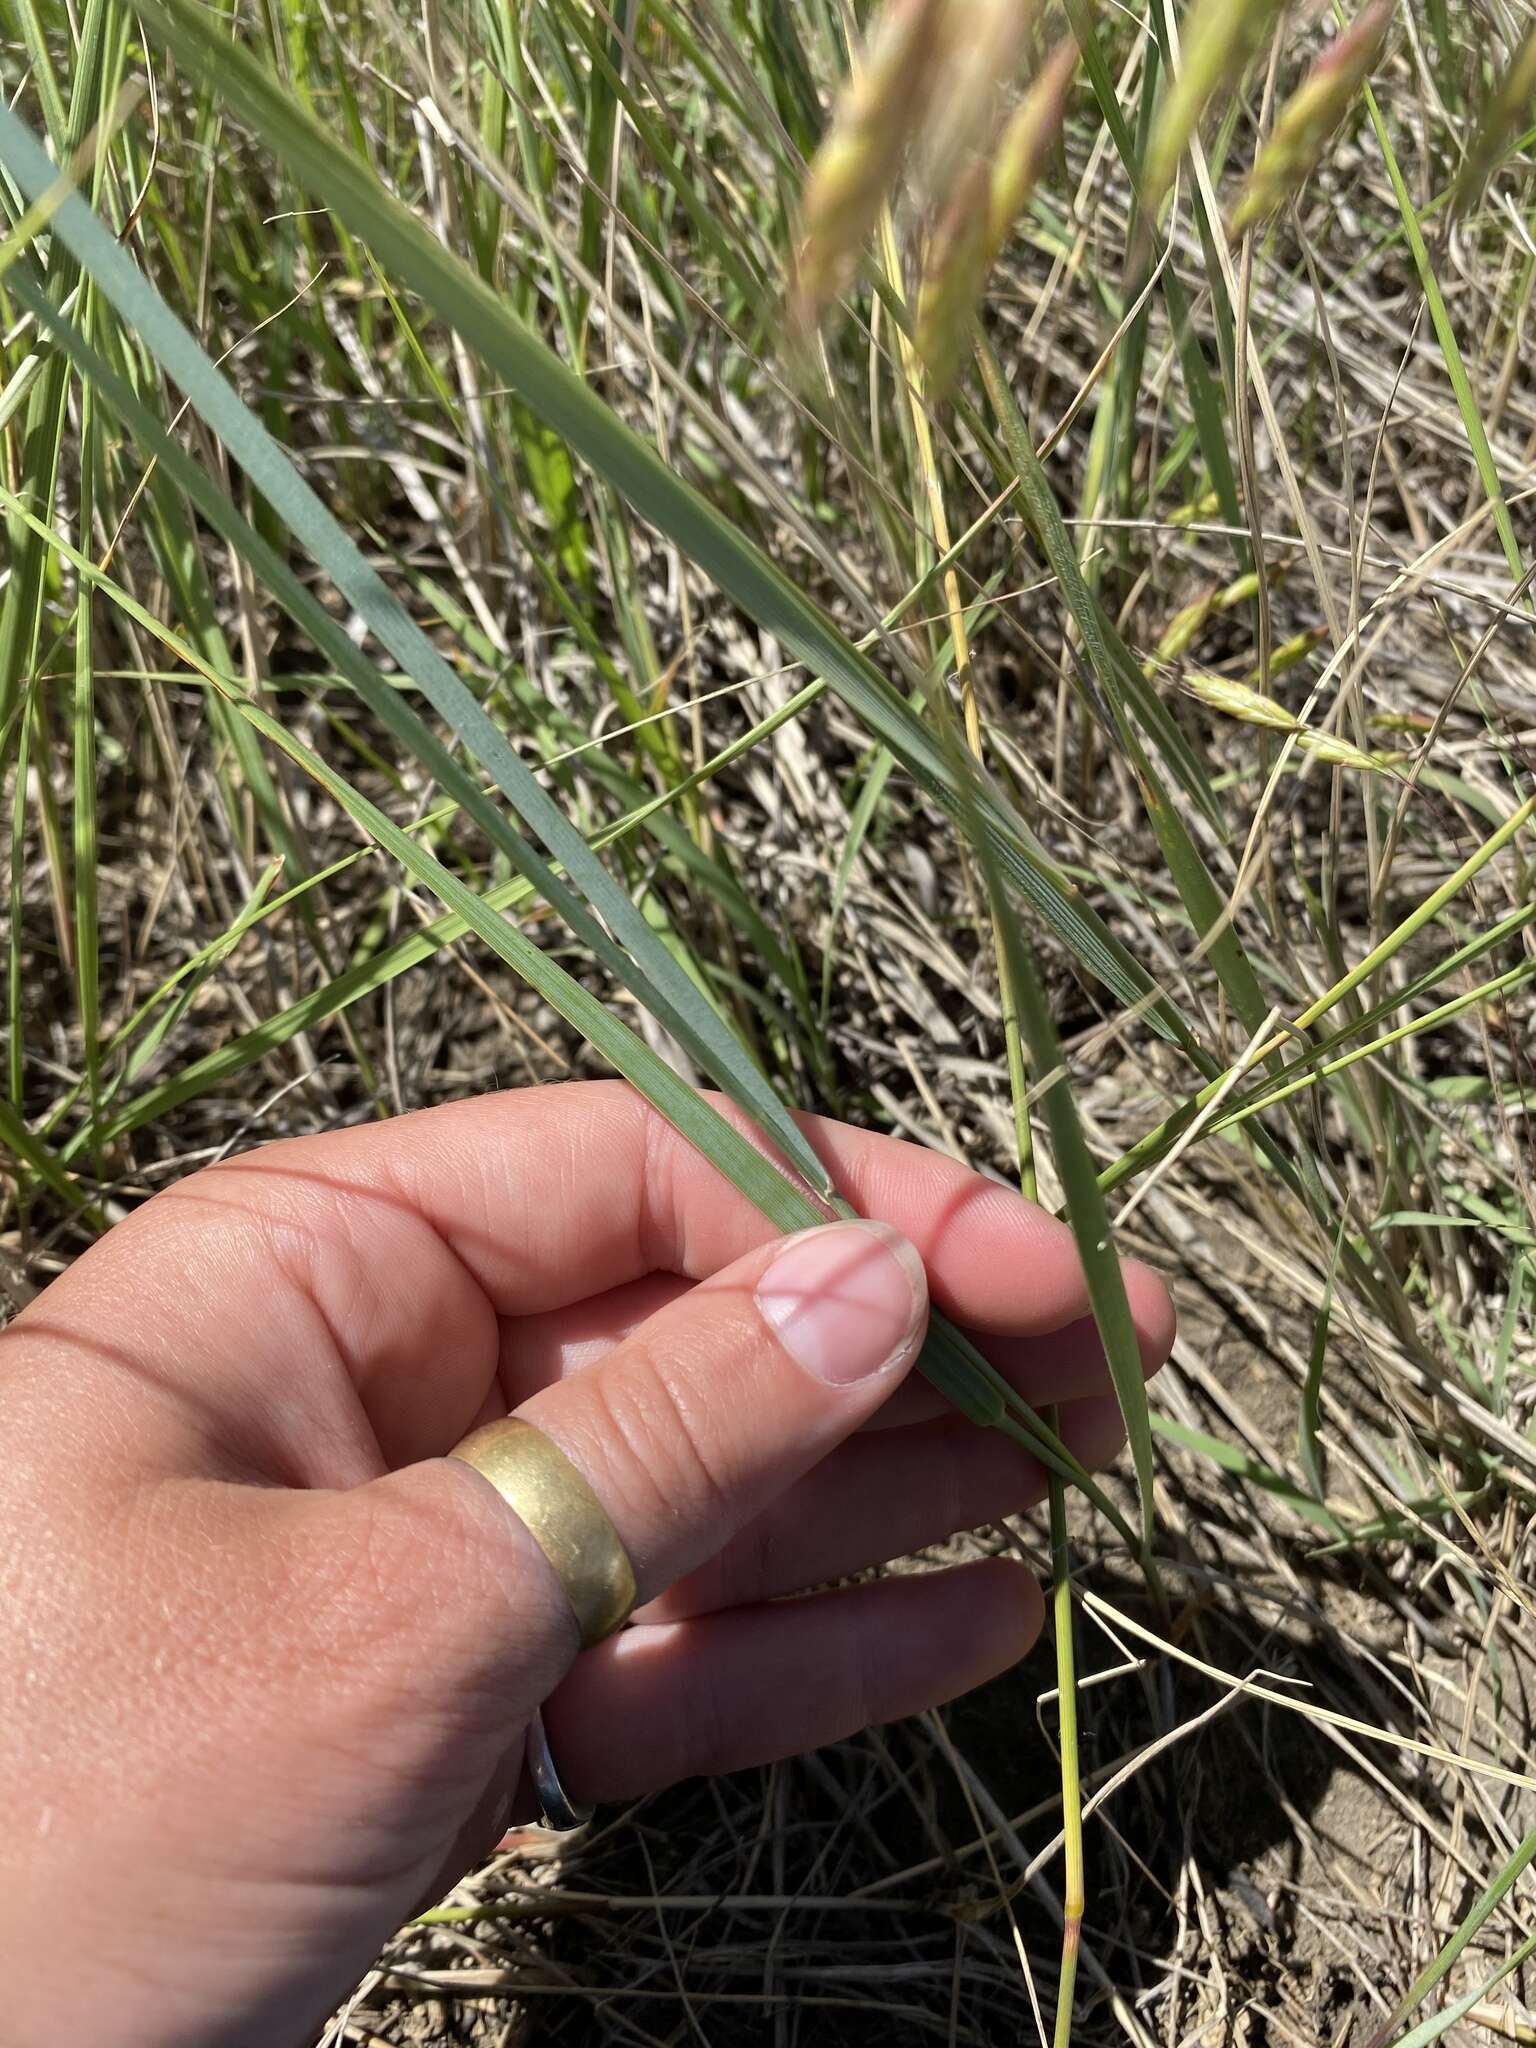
657, 1430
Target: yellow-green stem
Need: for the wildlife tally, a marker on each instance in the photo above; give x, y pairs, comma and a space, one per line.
1071, 1781
1018, 1080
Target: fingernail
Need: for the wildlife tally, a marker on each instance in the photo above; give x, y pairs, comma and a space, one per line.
845, 1300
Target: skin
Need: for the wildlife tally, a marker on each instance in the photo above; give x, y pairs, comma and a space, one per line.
269, 1655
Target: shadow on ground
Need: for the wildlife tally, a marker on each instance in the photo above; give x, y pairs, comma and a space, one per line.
843, 1898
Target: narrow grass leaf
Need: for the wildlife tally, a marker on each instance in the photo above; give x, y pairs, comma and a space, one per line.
1244, 1465
1441, 2022
1201, 897
1085, 1207
16, 1139
1450, 347
634, 953
567, 405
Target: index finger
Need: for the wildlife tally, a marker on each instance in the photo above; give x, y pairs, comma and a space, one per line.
363, 1277
550, 1195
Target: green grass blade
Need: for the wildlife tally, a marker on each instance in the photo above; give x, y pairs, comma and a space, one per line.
950, 1361
1118, 673
16, 1139
1244, 1465
1202, 899
1450, 347
565, 403
634, 952
1438, 2023
1085, 1207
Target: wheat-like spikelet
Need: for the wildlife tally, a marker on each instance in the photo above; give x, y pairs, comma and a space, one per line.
1511, 101
879, 112
1312, 113
1182, 630
1030, 135
954, 272
1219, 38
1291, 653
1236, 700
1180, 633
983, 46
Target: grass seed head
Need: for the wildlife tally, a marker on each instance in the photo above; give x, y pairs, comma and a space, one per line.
852, 174
976, 219
1237, 700
983, 47
1510, 104
1184, 628
1030, 135
1208, 506
955, 265
1311, 114
1220, 37
1291, 653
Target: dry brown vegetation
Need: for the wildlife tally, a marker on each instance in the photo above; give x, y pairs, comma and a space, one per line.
1304, 1773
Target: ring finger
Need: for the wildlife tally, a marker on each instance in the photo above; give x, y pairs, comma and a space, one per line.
722, 1692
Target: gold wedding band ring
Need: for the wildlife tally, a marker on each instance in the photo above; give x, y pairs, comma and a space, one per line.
564, 1517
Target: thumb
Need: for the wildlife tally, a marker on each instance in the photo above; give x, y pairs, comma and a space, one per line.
722, 1399
685, 1432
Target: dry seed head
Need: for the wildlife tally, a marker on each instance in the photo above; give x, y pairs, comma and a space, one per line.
1312, 113
955, 265
1026, 143
1236, 700
1510, 103
983, 45
879, 111
1219, 38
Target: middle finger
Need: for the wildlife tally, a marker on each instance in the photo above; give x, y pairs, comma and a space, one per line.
881, 1495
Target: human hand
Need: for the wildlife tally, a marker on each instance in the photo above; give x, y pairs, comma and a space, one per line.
270, 1656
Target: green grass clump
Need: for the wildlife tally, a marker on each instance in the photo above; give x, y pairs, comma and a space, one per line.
984, 589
